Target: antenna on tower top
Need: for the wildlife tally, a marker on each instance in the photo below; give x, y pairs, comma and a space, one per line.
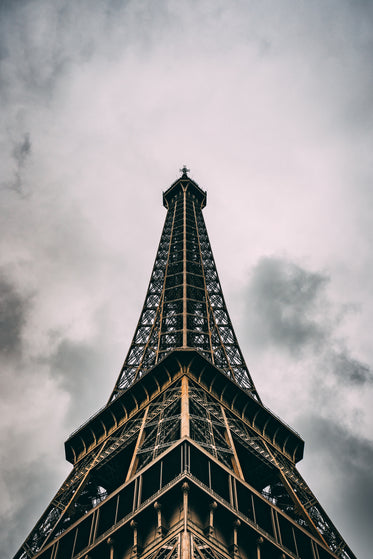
184, 170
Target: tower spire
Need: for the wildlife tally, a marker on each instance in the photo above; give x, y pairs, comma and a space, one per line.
184, 306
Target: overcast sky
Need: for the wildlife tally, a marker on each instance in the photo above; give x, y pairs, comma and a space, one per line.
269, 103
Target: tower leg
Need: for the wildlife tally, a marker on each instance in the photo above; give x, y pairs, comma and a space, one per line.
185, 537
259, 542
110, 543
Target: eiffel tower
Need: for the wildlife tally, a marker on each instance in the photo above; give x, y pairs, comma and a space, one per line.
184, 461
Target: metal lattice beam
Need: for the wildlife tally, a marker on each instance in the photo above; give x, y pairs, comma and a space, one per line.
184, 305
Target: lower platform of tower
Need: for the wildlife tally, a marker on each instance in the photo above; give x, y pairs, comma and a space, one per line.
185, 505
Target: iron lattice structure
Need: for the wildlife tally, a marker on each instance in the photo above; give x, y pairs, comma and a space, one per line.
184, 461
184, 304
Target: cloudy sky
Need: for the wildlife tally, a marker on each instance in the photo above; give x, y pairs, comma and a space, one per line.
270, 105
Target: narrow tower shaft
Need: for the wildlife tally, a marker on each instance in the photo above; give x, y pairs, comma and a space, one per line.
184, 305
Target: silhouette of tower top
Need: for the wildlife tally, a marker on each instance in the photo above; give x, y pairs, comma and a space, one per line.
184, 183
184, 461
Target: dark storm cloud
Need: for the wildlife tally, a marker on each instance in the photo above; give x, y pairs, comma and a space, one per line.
13, 311
283, 300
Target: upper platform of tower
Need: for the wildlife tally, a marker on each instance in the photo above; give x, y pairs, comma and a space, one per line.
184, 184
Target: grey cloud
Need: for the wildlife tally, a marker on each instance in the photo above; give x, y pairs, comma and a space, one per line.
283, 301
13, 311
54, 394
288, 308
19, 154
349, 369
330, 446
22, 150
25, 482
244, 67
78, 365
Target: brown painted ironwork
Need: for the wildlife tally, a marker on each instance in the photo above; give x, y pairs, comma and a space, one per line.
184, 461
184, 304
